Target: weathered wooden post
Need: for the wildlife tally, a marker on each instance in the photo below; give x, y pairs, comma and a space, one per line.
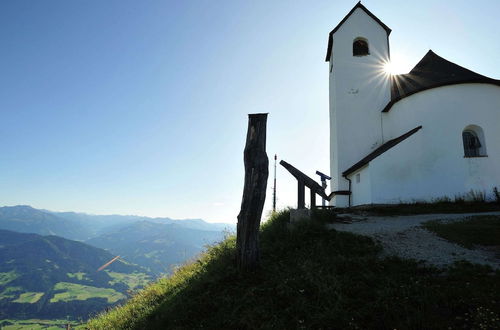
301, 194
313, 200
254, 193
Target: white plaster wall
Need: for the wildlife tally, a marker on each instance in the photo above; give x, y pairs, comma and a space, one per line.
397, 173
359, 90
361, 192
431, 164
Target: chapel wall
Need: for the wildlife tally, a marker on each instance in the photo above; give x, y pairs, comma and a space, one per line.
431, 164
361, 187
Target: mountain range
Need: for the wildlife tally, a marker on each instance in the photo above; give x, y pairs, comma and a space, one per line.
82, 226
49, 260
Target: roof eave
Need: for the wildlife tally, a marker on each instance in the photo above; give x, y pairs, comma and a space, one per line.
490, 81
379, 151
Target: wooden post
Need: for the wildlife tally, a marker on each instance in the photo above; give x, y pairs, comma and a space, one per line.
254, 193
313, 199
301, 199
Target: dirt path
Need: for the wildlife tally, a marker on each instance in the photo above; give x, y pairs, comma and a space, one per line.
403, 236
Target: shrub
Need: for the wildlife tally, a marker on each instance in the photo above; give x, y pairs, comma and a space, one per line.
441, 200
459, 199
496, 194
476, 196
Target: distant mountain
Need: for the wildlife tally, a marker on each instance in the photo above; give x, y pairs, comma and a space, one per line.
25, 219
197, 224
98, 224
156, 245
105, 223
52, 277
82, 226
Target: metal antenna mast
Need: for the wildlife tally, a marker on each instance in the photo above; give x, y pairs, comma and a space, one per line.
274, 189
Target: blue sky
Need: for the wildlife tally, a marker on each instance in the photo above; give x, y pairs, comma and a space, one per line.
140, 107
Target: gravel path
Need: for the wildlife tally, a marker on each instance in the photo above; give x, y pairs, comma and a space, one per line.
402, 236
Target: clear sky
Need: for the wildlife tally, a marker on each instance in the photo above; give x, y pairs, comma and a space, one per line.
140, 107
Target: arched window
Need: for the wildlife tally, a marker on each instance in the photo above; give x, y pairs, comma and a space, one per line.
473, 140
360, 47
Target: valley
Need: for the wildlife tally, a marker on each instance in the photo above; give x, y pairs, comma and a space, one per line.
46, 276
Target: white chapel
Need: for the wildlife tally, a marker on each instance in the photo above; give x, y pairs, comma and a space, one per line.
431, 133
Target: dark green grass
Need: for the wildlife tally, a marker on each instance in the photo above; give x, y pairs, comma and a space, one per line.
479, 230
425, 208
312, 278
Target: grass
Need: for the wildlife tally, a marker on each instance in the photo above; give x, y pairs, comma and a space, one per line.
79, 276
29, 297
134, 280
438, 206
479, 230
74, 291
312, 278
7, 277
10, 292
34, 324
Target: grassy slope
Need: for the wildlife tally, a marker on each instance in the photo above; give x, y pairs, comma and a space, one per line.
7, 277
29, 297
35, 324
312, 278
427, 208
480, 230
52, 277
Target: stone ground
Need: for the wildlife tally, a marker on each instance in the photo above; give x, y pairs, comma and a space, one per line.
403, 236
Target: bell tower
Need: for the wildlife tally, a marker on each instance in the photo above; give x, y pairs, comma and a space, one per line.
358, 49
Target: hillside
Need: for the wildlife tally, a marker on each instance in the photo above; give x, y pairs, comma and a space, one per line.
156, 246
25, 219
155, 243
101, 224
82, 226
313, 278
52, 277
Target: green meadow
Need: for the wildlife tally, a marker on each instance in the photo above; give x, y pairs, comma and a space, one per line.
10, 292
72, 291
134, 280
79, 276
29, 297
34, 324
7, 277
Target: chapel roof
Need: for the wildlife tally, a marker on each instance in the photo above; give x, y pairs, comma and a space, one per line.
379, 151
360, 6
432, 71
